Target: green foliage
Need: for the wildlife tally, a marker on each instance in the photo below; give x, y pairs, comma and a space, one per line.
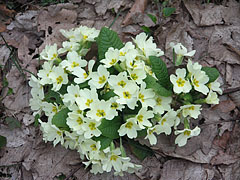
212, 73
49, 2
151, 82
167, 11
53, 97
36, 122
109, 128
141, 151
104, 141
153, 18
147, 30
12, 123
108, 95
141, 133
106, 39
60, 119
3, 141
160, 70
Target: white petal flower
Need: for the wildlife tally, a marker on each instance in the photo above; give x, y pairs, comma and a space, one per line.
89, 34
58, 77
184, 135
49, 53
137, 75
193, 68
51, 133
166, 123
73, 92
199, 79
37, 88
127, 95
111, 57
90, 128
114, 105
101, 109
50, 109
180, 84
81, 74
70, 140
143, 117
113, 160
128, 49
180, 50
73, 61
130, 128
86, 98
44, 73
118, 81
99, 78
92, 149
75, 122
69, 47
191, 110
146, 96
215, 86
150, 135
162, 104
212, 98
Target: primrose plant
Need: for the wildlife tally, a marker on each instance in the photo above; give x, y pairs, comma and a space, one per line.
96, 105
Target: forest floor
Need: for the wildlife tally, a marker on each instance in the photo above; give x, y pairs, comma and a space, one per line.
211, 28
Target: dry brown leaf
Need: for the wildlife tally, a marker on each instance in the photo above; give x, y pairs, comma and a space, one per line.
225, 106
138, 8
5, 17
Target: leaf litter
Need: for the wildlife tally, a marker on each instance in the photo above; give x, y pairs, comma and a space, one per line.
211, 29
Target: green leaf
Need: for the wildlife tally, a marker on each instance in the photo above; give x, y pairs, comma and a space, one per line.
141, 151
108, 95
53, 97
109, 128
153, 18
106, 39
60, 119
36, 122
212, 73
12, 123
167, 11
141, 133
3, 141
147, 30
104, 141
152, 83
160, 70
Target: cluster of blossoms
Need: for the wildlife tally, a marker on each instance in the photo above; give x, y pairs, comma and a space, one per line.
80, 97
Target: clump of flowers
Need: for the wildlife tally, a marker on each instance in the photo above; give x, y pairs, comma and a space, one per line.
95, 105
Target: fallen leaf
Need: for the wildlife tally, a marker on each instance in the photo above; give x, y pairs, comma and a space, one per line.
225, 106
5, 16
138, 8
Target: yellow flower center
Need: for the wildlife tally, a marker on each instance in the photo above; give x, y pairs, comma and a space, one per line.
122, 83
102, 79
129, 125
85, 37
79, 121
140, 118
59, 133
54, 56
187, 133
54, 109
114, 105
113, 157
196, 82
92, 126
159, 101
79, 111
163, 121
113, 61
127, 95
141, 97
89, 101
151, 131
93, 147
74, 64
180, 82
134, 76
100, 113
59, 79
85, 75
133, 65
122, 53
76, 95
191, 108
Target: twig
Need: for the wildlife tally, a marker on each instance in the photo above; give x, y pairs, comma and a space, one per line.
231, 90
115, 18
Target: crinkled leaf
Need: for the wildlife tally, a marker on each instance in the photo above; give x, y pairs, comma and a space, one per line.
160, 70
168, 11
109, 128
12, 123
153, 18
104, 141
212, 73
152, 83
139, 150
53, 97
3, 141
60, 119
106, 39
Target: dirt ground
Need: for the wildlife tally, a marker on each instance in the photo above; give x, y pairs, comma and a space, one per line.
211, 28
